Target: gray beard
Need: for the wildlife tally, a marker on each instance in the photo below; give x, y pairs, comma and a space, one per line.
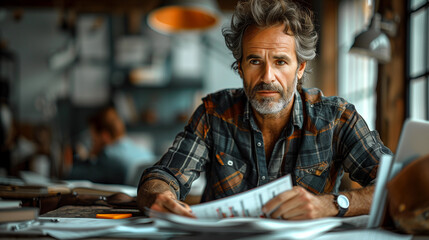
268, 105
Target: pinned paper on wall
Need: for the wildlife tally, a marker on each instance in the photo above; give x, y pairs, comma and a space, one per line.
90, 85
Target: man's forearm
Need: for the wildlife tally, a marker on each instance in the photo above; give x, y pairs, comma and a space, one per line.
149, 190
360, 202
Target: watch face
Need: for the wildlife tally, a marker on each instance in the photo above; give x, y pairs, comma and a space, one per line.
342, 201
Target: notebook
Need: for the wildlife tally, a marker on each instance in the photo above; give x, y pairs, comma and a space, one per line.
412, 144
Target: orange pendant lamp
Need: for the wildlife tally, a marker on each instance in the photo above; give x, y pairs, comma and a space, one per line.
177, 16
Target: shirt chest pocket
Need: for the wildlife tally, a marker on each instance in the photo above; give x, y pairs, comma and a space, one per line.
229, 174
312, 177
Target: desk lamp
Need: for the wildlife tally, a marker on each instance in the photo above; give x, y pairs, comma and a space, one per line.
374, 42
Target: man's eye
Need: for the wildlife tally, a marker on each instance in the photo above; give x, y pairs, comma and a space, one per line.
255, 62
281, 62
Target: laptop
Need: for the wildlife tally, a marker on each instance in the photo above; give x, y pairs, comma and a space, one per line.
413, 143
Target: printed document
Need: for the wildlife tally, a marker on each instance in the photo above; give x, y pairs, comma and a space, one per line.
246, 204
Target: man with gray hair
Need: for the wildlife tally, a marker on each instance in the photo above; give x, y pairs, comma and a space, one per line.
244, 138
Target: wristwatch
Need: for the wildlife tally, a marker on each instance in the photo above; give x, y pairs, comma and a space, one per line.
342, 202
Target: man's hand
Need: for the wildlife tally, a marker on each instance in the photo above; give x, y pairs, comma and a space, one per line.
167, 202
298, 204
157, 195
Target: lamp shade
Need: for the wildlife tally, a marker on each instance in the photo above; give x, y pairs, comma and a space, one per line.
176, 16
373, 42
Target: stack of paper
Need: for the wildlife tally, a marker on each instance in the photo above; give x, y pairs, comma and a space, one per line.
289, 229
11, 211
246, 204
35, 185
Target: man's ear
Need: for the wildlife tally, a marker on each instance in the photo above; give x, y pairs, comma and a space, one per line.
301, 69
240, 71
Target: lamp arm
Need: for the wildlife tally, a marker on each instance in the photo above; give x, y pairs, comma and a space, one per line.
375, 7
387, 26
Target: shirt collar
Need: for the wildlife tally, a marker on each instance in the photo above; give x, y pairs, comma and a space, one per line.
297, 112
247, 110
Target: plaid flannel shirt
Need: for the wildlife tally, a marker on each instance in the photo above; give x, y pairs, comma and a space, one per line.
324, 138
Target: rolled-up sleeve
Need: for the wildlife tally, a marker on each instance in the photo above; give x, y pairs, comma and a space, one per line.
362, 148
185, 159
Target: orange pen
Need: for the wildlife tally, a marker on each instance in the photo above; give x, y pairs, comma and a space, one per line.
114, 215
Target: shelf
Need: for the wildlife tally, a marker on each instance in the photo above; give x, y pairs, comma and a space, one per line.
194, 84
146, 127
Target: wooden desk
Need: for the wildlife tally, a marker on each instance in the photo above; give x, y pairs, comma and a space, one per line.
87, 211
74, 212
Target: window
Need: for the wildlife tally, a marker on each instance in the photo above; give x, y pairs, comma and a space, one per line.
357, 75
418, 64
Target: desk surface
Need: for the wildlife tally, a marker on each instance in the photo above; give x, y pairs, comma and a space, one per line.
74, 212
91, 211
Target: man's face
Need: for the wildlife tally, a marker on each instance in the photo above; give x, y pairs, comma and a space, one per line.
269, 68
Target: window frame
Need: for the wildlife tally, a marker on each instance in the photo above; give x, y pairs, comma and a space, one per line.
425, 74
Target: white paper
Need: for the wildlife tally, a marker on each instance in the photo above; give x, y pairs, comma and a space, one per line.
66, 186
132, 50
319, 227
186, 54
360, 221
246, 204
367, 234
92, 37
78, 228
129, 190
283, 229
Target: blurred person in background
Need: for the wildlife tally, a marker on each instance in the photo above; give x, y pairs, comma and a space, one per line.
113, 156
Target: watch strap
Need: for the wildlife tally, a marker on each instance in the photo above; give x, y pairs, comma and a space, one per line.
341, 211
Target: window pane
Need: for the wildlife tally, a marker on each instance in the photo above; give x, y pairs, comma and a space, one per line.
356, 73
416, 3
418, 105
417, 58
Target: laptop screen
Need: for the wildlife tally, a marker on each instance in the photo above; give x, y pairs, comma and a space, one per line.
412, 144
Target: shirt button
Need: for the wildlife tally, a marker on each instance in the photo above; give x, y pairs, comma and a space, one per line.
230, 163
263, 177
259, 144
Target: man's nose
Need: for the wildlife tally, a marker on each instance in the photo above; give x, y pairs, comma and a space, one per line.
268, 75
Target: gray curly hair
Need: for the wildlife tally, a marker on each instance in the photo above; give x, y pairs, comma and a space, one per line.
266, 13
